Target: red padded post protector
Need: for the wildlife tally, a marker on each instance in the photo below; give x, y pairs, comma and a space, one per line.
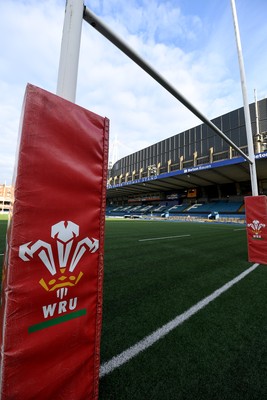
256, 218
53, 270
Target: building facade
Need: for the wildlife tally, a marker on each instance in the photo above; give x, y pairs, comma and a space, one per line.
5, 198
193, 147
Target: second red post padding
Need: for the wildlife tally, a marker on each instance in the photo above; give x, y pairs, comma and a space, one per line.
256, 219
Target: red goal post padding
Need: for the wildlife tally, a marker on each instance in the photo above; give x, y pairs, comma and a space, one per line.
256, 218
53, 269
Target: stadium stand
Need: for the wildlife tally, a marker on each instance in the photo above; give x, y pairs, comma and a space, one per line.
193, 173
6, 193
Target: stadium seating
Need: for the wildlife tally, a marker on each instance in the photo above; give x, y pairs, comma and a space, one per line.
225, 208
219, 206
178, 208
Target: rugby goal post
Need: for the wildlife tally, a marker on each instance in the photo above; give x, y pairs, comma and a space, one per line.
251, 205
67, 79
73, 39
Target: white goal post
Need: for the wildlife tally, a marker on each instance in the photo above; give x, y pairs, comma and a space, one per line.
68, 67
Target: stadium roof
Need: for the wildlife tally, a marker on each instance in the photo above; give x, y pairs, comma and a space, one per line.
220, 172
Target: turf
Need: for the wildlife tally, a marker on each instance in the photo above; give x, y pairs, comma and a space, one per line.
3, 226
219, 353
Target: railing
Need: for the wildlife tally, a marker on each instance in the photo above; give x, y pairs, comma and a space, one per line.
212, 157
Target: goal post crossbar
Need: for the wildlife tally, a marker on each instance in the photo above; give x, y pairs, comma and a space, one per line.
96, 23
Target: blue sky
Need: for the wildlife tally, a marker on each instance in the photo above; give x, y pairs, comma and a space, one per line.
190, 42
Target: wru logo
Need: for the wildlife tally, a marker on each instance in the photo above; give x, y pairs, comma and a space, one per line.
64, 232
256, 227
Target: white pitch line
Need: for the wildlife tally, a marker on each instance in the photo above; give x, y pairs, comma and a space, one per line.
1, 254
163, 237
240, 229
149, 340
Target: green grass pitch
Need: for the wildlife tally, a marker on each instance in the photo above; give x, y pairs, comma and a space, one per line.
220, 352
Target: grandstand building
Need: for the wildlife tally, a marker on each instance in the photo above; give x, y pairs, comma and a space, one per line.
5, 198
193, 168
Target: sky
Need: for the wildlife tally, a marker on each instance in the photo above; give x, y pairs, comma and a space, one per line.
191, 43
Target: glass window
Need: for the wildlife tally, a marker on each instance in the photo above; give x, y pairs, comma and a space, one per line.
252, 112
218, 144
242, 136
204, 133
234, 119
182, 142
225, 123
262, 108
218, 122
235, 136
263, 125
241, 116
